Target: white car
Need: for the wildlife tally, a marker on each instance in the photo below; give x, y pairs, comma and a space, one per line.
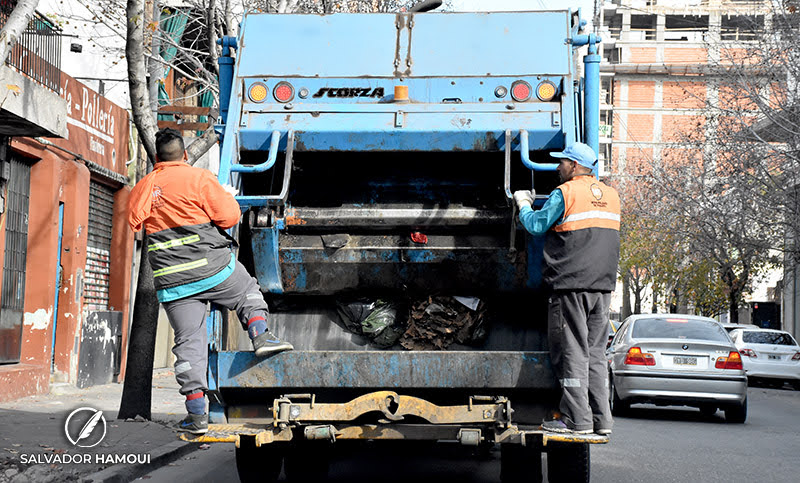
769, 355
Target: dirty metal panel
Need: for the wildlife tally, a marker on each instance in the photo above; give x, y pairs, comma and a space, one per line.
386, 369
354, 45
100, 344
378, 131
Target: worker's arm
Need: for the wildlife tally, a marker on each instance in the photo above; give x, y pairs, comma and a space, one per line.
538, 222
219, 204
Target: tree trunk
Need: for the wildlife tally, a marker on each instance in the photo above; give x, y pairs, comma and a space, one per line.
626, 296
16, 24
654, 309
143, 117
137, 391
154, 68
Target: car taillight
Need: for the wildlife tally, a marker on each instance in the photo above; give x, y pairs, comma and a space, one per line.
733, 361
635, 357
750, 353
520, 91
283, 92
796, 356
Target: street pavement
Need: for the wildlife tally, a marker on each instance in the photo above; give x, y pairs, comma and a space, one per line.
653, 444
35, 448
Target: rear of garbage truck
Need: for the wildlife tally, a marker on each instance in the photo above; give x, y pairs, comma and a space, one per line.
376, 155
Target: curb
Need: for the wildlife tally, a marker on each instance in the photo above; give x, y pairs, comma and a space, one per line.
159, 457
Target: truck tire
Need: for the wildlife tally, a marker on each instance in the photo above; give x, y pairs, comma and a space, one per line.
568, 462
262, 465
736, 413
618, 406
520, 464
307, 462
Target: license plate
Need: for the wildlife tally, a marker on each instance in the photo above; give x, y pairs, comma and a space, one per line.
684, 361
774, 358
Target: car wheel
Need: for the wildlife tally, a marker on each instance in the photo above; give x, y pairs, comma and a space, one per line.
736, 413
619, 407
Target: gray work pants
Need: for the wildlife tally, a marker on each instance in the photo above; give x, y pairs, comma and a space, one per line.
187, 316
578, 334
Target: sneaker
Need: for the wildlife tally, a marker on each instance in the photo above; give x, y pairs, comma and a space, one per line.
559, 426
603, 431
266, 344
193, 423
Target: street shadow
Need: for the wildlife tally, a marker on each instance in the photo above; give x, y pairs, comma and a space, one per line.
674, 413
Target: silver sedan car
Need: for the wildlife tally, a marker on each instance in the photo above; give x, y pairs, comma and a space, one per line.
676, 359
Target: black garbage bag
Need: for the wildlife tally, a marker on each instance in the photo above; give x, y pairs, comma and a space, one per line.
375, 319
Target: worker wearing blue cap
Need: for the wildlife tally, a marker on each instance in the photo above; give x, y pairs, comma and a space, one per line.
581, 221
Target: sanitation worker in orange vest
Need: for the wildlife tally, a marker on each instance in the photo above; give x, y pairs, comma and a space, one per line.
185, 212
581, 253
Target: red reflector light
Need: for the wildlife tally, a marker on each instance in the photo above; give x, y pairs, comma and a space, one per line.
796, 356
283, 92
749, 353
520, 91
635, 357
733, 361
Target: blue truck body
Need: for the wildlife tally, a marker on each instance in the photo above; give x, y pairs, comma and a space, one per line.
349, 133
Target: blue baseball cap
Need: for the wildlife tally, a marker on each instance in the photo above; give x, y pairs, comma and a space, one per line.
579, 152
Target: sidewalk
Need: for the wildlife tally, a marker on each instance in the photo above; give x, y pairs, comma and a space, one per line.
34, 446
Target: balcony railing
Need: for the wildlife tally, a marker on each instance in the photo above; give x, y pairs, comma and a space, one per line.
37, 53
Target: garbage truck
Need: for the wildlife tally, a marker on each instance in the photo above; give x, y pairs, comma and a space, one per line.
376, 156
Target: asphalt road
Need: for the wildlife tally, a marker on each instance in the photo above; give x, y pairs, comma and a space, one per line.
653, 444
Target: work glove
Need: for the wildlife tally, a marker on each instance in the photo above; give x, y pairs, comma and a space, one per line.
230, 189
524, 198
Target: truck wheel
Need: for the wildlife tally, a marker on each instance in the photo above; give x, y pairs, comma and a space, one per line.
568, 462
261, 465
618, 406
520, 464
308, 462
737, 413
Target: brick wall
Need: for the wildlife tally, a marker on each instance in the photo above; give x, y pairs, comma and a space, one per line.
685, 55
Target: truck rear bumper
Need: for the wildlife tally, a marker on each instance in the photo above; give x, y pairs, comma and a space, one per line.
299, 370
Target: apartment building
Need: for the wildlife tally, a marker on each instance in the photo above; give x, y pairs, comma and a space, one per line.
655, 55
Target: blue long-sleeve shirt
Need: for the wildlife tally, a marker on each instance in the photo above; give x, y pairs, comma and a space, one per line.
537, 222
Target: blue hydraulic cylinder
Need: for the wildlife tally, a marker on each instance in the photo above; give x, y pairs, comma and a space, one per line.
225, 62
591, 92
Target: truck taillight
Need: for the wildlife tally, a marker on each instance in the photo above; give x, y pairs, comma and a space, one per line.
635, 357
520, 91
257, 92
545, 91
796, 356
283, 92
733, 361
749, 353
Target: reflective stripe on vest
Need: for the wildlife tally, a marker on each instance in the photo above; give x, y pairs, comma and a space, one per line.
588, 203
180, 267
173, 243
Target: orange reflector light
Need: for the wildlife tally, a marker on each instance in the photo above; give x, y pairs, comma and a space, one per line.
400, 93
283, 92
520, 91
733, 361
257, 92
546, 91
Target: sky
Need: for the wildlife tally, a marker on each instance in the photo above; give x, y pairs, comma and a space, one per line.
516, 5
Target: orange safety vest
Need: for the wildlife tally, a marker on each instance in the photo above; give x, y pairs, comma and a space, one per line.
582, 251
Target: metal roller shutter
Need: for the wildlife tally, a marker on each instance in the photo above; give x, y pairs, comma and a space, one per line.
98, 267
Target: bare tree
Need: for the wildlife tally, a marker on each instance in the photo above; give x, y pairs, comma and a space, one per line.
16, 24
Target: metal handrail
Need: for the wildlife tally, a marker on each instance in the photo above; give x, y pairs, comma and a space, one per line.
37, 53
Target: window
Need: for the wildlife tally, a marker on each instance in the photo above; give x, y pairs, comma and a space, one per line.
679, 328
685, 28
643, 27
741, 27
775, 338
